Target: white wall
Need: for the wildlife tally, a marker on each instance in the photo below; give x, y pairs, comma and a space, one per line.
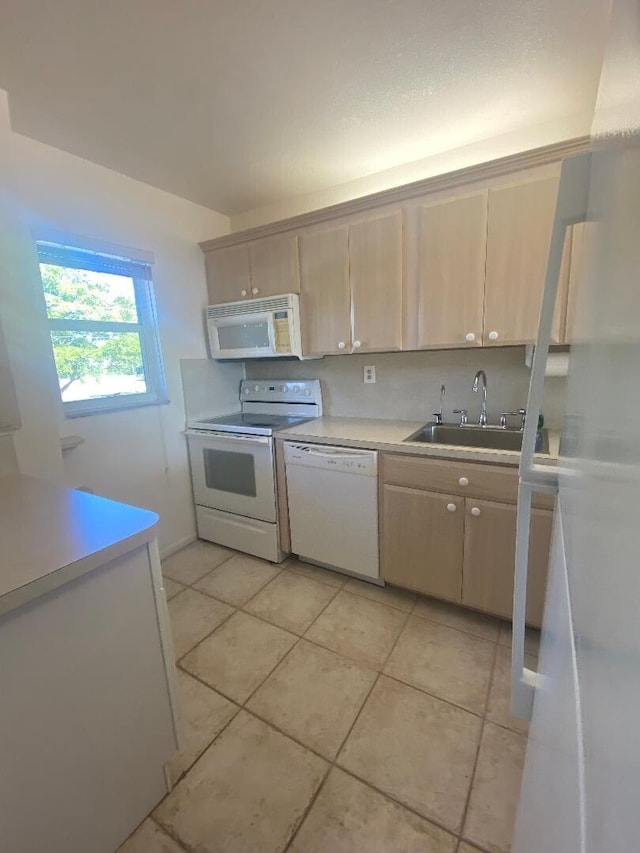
137, 456
408, 383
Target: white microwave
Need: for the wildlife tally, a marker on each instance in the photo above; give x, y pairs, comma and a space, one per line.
255, 328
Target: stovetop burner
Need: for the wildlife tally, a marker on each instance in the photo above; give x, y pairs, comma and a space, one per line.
267, 406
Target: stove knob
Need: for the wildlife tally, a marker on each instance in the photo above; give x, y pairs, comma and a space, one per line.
308, 392
246, 390
256, 387
296, 389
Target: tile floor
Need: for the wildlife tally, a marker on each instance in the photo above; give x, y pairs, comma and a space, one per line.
322, 714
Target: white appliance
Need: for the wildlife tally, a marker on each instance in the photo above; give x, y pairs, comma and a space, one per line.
333, 507
580, 786
255, 328
232, 464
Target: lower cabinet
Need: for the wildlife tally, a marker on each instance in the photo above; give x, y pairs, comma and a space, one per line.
489, 555
458, 547
422, 541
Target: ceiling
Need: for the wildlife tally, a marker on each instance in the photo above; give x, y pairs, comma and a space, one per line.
237, 104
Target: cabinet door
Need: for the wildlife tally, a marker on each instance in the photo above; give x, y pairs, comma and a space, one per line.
324, 292
422, 541
520, 220
274, 266
489, 558
375, 260
452, 242
228, 274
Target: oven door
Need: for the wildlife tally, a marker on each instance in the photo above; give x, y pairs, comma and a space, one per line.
233, 473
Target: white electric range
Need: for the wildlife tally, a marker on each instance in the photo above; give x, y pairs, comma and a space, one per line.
233, 464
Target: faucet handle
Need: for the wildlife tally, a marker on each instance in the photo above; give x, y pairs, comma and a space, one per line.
438, 415
505, 415
463, 415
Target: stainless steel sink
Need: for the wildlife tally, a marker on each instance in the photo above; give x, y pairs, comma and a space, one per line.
490, 438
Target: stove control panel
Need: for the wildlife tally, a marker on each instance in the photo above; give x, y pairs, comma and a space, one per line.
281, 391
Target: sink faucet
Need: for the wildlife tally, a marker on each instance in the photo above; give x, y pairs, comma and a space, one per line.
438, 415
482, 421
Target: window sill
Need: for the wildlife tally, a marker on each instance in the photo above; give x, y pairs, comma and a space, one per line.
85, 413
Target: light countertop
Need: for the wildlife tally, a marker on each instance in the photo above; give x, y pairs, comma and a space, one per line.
390, 436
50, 534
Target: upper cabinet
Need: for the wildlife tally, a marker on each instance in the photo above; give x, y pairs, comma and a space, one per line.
228, 278
463, 266
520, 219
351, 287
325, 299
450, 242
375, 273
274, 266
266, 267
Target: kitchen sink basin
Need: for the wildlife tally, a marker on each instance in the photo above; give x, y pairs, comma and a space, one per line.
469, 435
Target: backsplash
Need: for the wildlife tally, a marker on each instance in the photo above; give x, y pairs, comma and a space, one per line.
408, 383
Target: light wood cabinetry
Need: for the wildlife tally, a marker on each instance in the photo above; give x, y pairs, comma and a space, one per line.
422, 541
451, 246
462, 267
375, 272
266, 267
351, 287
325, 298
489, 556
274, 266
520, 219
228, 277
448, 530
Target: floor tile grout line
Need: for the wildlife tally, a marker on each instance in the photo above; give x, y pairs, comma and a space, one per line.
351, 727
394, 799
455, 628
465, 811
162, 828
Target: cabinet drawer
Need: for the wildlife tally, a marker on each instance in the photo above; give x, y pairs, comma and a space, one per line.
493, 482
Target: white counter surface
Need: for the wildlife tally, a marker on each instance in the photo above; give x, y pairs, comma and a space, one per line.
390, 436
50, 534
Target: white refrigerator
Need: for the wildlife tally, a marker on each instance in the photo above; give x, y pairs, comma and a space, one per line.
581, 783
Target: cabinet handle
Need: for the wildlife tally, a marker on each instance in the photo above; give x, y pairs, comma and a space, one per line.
470, 336
463, 481
475, 510
493, 336
451, 507
243, 293
340, 344
255, 291
357, 344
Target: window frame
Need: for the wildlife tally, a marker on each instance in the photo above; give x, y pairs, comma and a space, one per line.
146, 326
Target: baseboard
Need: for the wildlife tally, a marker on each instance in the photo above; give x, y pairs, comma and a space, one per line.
177, 546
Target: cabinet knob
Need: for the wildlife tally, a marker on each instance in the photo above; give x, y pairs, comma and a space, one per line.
463, 481
451, 507
470, 336
243, 293
357, 344
493, 336
340, 344
475, 510
255, 291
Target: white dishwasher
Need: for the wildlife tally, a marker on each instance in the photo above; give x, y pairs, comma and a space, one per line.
333, 507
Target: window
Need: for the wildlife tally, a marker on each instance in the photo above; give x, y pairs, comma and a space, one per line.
103, 329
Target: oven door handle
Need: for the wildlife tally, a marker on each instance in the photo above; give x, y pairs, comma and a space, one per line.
208, 435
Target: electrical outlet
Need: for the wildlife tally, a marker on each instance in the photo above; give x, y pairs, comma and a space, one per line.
369, 374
